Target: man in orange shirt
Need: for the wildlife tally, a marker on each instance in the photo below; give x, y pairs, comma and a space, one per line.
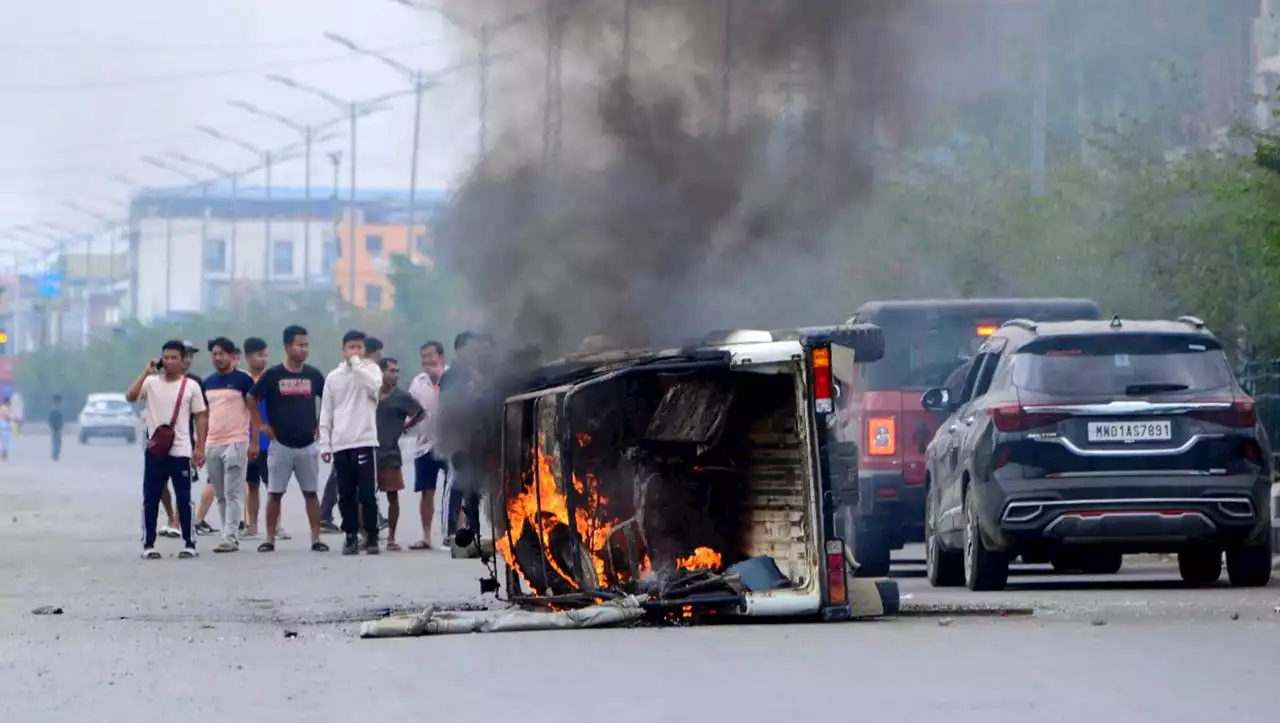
232, 439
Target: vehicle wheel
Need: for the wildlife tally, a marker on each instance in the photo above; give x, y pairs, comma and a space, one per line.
870, 548
1250, 566
1101, 563
1200, 565
943, 567
983, 569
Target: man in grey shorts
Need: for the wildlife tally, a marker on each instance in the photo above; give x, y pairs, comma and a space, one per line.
289, 391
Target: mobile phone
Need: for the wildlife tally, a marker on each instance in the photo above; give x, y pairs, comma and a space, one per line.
159, 365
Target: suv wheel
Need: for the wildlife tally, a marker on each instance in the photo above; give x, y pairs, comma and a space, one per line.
1250, 565
1200, 565
944, 568
983, 569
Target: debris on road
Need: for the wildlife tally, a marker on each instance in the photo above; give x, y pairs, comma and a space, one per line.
290, 634
447, 622
47, 610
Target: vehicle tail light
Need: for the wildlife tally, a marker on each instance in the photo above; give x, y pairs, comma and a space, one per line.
836, 592
1017, 418
1241, 415
1003, 453
822, 379
882, 436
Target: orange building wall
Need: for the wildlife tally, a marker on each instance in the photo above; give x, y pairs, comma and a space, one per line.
371, 268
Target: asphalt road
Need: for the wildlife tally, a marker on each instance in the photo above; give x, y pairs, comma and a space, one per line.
179, 639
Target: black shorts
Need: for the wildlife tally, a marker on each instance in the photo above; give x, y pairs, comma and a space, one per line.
256, 473
426, 472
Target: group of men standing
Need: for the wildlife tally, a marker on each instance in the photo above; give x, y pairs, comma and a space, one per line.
267, 426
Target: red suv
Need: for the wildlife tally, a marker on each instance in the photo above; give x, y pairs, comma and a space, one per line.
928, 343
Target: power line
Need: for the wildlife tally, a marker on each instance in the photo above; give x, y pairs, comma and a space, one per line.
183, 49
182, 77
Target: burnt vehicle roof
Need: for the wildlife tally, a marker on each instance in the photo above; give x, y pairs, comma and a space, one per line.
1019, 332
1085, 308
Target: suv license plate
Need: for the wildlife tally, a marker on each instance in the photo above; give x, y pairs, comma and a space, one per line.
1128, 432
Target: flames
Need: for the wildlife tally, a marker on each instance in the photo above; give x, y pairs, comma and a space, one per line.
703, 558
542, 507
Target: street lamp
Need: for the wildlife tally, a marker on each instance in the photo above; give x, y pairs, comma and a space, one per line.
482, 34
355, 110
203, 185
308, 140
420, 86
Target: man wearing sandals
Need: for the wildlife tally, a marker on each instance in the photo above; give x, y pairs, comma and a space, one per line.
289, 391
397, 412
349, 440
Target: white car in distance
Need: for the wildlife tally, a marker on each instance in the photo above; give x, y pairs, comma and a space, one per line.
108, 414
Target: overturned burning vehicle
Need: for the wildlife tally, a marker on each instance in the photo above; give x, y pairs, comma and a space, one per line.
699, 478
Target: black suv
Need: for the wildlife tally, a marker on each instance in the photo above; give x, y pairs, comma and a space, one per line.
1078, 442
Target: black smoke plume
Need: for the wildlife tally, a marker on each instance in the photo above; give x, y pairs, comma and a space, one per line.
656, 221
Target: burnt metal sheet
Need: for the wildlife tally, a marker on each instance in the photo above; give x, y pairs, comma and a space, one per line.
692, 411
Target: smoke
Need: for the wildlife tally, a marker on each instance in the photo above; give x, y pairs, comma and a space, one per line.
657, 206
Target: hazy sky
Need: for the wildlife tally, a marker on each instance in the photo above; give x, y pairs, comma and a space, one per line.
89, 87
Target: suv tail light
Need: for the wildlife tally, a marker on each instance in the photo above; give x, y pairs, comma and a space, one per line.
822, 380
1242, 415
882, 436
1016, 418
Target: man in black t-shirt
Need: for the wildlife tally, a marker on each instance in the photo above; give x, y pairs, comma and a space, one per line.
290, 391
56, 423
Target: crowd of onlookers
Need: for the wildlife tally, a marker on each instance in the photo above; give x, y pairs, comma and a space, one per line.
250, 426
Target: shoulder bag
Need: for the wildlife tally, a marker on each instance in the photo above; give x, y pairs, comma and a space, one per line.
162, 437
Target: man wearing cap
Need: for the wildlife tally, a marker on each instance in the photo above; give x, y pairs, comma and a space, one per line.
232, 438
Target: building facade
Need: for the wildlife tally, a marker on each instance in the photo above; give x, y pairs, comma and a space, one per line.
375, 245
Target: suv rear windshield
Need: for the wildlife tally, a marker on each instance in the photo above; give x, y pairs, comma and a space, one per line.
109, 405
1133, 365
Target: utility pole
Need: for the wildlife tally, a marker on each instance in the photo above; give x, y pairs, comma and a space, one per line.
354, 111
335, 157
1040, 102
726, 78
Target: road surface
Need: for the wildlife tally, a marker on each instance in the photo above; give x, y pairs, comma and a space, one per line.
182, 639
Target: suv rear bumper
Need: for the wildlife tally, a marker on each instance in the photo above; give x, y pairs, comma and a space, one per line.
1138, 514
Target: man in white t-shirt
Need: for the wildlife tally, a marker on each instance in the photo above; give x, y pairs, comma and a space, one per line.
172, 400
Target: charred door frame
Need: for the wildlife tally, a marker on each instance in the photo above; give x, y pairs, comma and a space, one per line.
567, 445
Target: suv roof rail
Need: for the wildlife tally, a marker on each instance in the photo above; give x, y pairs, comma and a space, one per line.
1027, 324
1191, 321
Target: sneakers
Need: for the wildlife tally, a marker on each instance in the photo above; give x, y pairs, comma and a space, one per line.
204, 528
170, 531
371, 548
188, 552
351, 546
151, 553
328, 528
383, 523
281, 534
227, 546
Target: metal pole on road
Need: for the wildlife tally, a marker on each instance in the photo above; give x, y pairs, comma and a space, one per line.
308, 133
355, 110
168, 225
420, 85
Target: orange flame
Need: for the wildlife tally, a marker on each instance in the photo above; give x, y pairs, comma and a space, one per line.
542, 507
703, 558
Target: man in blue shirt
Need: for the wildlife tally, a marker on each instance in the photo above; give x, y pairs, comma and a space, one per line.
256, 358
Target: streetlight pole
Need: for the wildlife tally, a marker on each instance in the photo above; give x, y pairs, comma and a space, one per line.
267, 160
355, 110
335, 157
482, 34
420, 85
168, 226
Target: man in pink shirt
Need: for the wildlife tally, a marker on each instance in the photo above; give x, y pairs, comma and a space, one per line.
232, 444
427, 465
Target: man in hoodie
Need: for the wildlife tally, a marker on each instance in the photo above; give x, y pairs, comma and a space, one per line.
349, 440
372, 352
